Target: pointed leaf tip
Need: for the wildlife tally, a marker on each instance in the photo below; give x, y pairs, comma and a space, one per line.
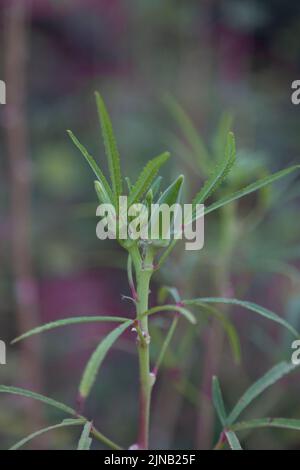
146, 177
220, 172
91, 162
110, 145
95, 361
218, 400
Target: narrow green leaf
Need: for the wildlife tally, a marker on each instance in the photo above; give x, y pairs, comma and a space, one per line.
146, 178
220, 138
166, 253
233, 441
233, 337
172, 194
85, 440
251, 188
234, 196
183, 150
66, 322
92, 164
128, 182
169, 197
166, 344
149, 199
155, 186
65, 423
169, 308
93, 365
220, 172
285, 423
189, 132
249, 306
111, 149
103, 196
36, 396
218, 400
271, 377
60, 406
228, 327
164, 291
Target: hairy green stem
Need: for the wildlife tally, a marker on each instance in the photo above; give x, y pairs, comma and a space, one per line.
144, 270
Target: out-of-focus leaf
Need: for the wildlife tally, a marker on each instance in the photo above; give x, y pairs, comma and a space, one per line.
65, 423
190, 133
237, 195
185, 153
285, 423
93, 365
85, 440
164, 291
233, 441
169, 308
251, 188
166, 343
36, 396
60, 406
128, 182
228, 327
219, 141
66, 322
271, 377
111, 149
248, 305
218, 400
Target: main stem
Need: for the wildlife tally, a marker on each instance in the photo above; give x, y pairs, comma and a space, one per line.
144, 271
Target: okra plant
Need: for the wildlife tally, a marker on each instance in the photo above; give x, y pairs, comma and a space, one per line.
145, 257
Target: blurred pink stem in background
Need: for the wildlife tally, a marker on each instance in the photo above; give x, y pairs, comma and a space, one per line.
17, 151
